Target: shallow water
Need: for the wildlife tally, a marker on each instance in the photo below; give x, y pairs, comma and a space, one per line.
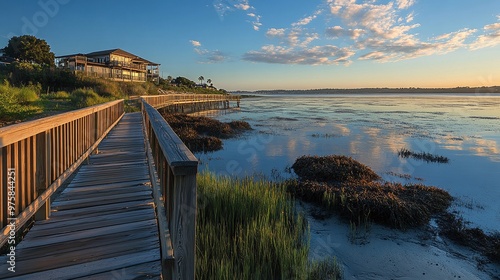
372, 129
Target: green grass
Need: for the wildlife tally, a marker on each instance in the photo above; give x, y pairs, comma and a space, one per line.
18, 103
248, 229
325, 269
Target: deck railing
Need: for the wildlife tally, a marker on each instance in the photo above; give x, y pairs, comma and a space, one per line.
158, 101
37, 156
173, 171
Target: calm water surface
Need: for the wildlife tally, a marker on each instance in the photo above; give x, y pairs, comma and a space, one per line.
372, 129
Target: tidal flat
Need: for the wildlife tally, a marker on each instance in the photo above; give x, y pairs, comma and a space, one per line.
372, 129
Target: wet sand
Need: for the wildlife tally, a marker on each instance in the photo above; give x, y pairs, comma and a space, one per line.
384, 253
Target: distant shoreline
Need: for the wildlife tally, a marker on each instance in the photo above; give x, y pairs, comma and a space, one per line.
411, 90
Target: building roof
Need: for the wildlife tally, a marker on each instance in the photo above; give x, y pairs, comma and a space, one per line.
114, 51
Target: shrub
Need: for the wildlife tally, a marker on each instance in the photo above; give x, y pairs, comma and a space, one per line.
82, 98
59, 95
25, 95
14, 103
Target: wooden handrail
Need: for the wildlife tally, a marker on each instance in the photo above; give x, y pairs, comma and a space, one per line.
175, 194
37, 156
158, 101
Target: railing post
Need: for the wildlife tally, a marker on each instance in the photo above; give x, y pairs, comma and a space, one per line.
96, 131
42, 172
184, 224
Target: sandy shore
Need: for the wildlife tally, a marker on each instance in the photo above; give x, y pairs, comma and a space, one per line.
385, 253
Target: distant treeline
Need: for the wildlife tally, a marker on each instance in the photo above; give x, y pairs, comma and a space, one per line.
482, 90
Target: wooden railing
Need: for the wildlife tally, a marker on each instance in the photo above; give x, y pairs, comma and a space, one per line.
158, 101
37, 156
173, 171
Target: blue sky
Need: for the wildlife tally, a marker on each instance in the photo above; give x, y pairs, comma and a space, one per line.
257, 44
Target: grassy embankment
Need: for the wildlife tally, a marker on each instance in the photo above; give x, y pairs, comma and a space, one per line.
30, 91
24, 102
250, 229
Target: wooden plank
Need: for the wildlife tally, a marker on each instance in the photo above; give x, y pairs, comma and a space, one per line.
105, 219
110, 208
100, 200
140, 226
102, 187
148, 270
105, 265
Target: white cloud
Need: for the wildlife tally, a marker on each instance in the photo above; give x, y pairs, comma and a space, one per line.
493, 26
382, 32
304, 21
256, 24
208, 56
195, 43
405, 4
337, 32
275, 32
489, 38
224, 6
243, 7
318, 55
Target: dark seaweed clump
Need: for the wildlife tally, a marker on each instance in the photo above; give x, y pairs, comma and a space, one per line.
405, 153
333, 168
202, 134
457, 230
355, 191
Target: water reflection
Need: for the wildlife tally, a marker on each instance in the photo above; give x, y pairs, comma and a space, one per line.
372, 129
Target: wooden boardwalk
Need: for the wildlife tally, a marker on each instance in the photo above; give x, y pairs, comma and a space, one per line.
103, 225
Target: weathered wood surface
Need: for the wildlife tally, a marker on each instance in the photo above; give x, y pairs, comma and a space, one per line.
103, 225
175, 181
43, 153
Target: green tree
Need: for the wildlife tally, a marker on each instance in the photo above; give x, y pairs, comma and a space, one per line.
209, 81
28, 48
201, 79
182, 81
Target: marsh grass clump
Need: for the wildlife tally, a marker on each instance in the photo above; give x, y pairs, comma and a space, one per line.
327, 269
202, 134
405, 153
391, 204
333, 168
248, 229
361, 197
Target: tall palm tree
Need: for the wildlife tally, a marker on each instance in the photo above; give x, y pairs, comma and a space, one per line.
209, 81
201, 79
